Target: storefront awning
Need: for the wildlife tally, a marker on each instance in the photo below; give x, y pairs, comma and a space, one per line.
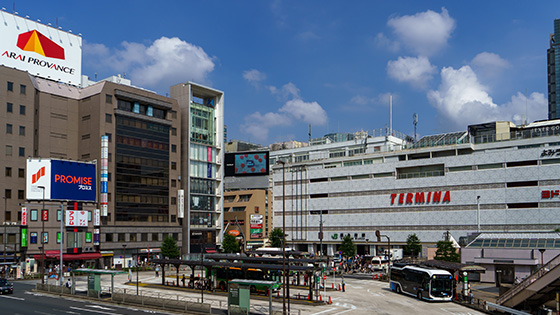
53, 254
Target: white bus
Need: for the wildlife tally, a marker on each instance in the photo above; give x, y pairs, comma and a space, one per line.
424, 283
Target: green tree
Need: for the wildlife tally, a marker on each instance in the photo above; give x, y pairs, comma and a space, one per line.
169, 248
230, 244
445, 251
348, 248
276, 236
413, 246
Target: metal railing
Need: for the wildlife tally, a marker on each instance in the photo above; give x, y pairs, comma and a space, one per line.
553, 263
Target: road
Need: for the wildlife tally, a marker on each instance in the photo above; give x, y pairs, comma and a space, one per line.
363, 296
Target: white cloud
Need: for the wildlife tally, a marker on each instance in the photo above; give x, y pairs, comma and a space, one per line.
462, 100
167, 61
489, 64
382, 41
254, 76
294, 110
425, 33
414, 70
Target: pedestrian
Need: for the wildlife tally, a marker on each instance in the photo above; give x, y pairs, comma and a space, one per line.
343, 285
157, 271
183, 280
68, 283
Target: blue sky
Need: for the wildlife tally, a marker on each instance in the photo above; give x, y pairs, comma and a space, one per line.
286, 64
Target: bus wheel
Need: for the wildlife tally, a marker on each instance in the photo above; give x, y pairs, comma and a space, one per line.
398, 288
420, 295
222, 286
253, 289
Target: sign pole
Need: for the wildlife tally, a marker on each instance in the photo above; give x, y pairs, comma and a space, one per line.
61, 239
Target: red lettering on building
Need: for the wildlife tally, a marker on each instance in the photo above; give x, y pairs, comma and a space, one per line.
419, 198
549, 194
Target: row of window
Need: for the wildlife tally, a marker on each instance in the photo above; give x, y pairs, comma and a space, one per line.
10, 151
133, 237
8, 172
10, 87
10, 108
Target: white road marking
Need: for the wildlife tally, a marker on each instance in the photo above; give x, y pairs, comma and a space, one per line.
457, 311
94, 311
329, 310
101, 307
12, 297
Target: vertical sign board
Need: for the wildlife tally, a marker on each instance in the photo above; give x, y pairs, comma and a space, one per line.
96, 217
76, 218
95, 236
256, 226
24, 216
24, 237
62, 180
104, 184
180, 203
41, 50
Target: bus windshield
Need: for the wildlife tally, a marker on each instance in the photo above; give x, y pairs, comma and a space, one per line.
440, 285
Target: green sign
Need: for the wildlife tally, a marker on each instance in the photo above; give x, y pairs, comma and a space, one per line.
88, 237
23, 237
58, 237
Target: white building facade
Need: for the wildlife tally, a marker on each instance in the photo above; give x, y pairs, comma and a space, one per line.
506, 175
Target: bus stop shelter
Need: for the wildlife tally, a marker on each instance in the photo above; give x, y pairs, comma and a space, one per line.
239, 295
94, 279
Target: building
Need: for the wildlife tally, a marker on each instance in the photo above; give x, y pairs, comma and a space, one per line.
553, 62
431, 187
202, 133
247, 216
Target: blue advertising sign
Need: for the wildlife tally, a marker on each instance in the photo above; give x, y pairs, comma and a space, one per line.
73, 181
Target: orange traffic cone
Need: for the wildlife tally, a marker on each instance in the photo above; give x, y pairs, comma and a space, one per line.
333, 285
330, 301
339, 287
321, 298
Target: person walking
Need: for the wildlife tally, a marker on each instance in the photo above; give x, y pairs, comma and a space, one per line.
157, 271
343, 285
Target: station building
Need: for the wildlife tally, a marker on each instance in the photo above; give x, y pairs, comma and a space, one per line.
504, 174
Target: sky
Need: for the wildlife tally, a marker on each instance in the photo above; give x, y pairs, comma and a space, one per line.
285, 65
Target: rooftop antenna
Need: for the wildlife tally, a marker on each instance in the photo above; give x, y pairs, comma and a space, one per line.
390, 115
526, 100
309, 133
415, 122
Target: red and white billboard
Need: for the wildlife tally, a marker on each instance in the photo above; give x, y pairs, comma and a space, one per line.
41, 50
24, 216
76, 218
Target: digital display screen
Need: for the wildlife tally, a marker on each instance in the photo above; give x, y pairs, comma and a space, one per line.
247, 164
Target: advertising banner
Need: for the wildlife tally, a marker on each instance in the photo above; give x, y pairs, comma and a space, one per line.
180, 203
96, 217
24, 216
61, 180
76, 218
41, 50
95, 236
24, 237
88, 237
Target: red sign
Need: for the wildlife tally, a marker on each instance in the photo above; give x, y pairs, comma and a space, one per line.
45, 214
233, 232
39, 43
549, 194
24, 216
421, 198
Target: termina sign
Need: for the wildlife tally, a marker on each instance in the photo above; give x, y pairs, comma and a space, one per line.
421, 198
63, 180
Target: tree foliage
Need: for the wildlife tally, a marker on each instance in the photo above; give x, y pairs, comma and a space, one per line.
446, 251
169, 248
413, 246
230, 244
276, 236
348, 248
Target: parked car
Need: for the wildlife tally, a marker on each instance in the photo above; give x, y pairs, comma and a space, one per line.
6, 286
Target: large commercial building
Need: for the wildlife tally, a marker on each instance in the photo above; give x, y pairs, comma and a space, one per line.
149, 149
504, 174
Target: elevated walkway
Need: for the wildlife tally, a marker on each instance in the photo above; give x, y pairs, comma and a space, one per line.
536, 289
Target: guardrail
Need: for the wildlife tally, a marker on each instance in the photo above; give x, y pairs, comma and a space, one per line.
529, 280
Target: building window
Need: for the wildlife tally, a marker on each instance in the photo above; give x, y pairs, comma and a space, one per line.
10, 86
155, 237
8, 216
173, 165
21, 172
33, 215
109, 237
9, 107
108, 98
144, 237
122, 237
132, 237
173, 183
22, 89
173, 200
21, 151
173, 148
21, 194
8, 150
22, 109
22, 130
45, 237
173, 131
8, 172
33, 237
9, 129
108, 118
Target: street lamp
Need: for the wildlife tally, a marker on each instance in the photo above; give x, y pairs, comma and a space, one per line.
43, 237
124, 255
478, 214
5, 231
283, 234
378, 234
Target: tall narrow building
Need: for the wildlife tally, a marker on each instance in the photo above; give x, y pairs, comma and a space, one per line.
202, 143
553, 58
